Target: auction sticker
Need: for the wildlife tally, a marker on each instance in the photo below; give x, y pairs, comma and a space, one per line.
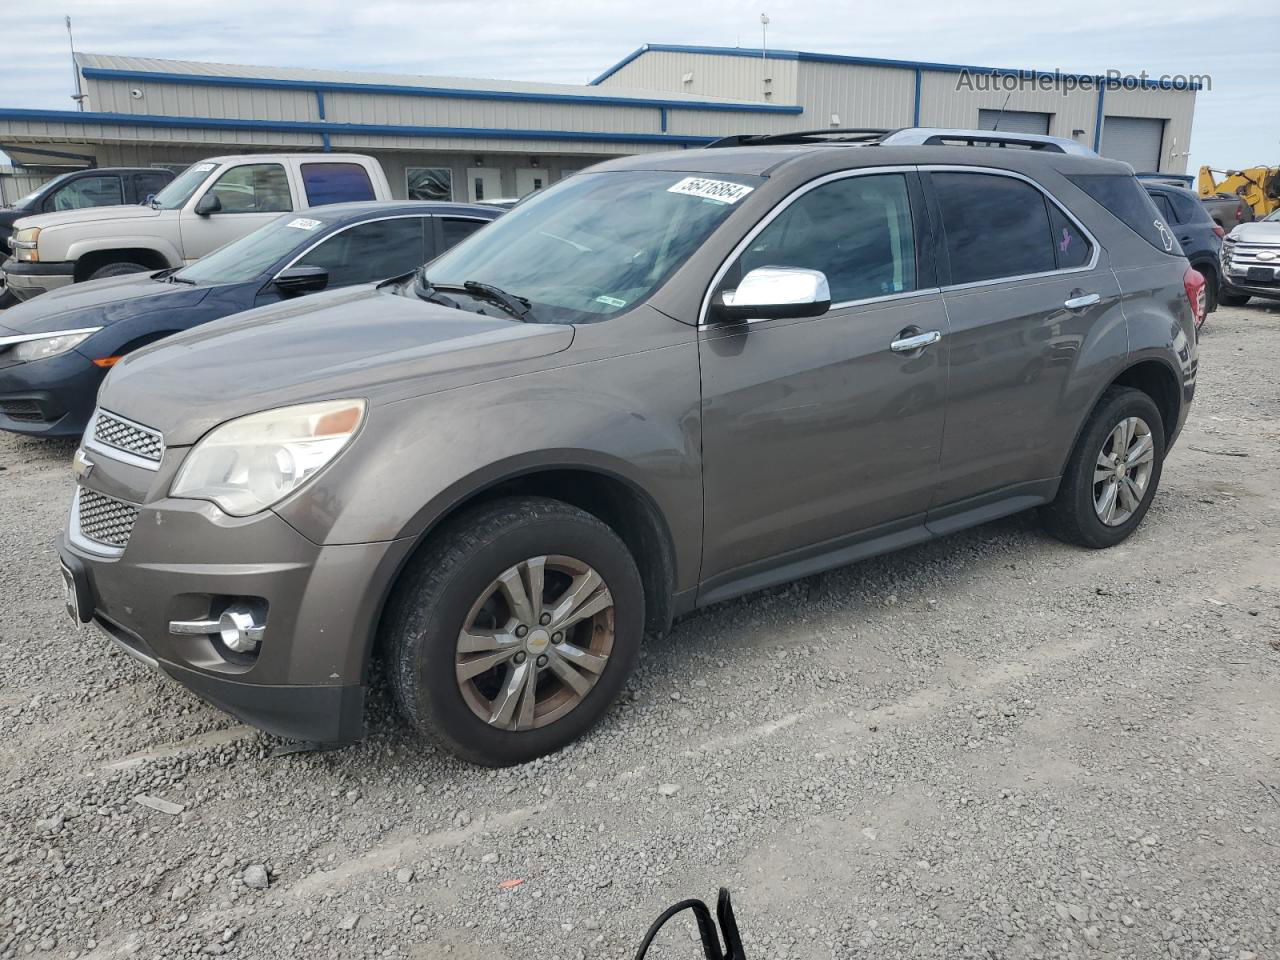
302, 223
721, 191
204, 167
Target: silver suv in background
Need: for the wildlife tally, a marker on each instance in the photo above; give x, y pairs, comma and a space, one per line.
659, 384
1251, 261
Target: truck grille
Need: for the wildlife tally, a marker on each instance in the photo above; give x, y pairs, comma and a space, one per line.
105, 519
113, 431
1242, 254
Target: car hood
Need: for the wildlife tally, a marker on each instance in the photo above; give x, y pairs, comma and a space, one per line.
345, 343
89, 215
1260, 231
98, 303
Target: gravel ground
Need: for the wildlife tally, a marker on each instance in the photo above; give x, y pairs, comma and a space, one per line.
992, 746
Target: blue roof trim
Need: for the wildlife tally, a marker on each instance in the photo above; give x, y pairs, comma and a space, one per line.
453, 93
757, 53
325, 128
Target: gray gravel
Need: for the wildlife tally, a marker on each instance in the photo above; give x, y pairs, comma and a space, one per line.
993, 746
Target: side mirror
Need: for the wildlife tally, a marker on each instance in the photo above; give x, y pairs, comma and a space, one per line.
300, 280
775, 293
208, 204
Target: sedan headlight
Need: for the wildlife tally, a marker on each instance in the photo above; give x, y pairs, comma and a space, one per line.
52, 345
246, 465
24, 244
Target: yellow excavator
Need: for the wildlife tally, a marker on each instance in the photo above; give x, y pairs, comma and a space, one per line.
1259, 187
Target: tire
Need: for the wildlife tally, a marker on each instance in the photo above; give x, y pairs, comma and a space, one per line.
443, 590
1073, 515
1228, 299
117, 270
1210, 292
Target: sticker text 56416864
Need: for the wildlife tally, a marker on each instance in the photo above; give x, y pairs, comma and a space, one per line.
721, 191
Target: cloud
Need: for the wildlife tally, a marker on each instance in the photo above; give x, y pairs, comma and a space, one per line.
571, 42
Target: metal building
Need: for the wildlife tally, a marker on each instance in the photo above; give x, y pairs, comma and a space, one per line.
450, 137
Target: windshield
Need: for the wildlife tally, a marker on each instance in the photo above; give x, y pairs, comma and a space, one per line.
48, 184
593, 245
179, 191
245, 259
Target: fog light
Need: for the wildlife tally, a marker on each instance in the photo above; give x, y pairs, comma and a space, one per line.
238, 627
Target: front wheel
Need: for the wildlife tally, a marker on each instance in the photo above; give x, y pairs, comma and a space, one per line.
1113, 472
511, 634
117, 270
1229, 299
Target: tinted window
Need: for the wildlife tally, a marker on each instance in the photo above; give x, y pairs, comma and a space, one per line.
857, 231
1187, 208
1163, 205
428, 183
1125, 199
335, 183
253, 188
995, 227
456, 230
253, 254
87, 192
370, 251
147, 184
1069, 244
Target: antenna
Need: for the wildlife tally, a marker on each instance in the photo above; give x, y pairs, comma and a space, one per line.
78, 96
1000, 115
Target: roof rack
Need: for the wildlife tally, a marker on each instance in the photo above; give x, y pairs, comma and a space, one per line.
859, 135
910, 136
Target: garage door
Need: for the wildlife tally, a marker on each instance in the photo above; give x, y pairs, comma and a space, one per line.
1135, 140
1014, 121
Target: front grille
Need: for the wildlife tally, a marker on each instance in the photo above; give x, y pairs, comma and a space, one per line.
28, 411
1242, 253
106, 519
113, 431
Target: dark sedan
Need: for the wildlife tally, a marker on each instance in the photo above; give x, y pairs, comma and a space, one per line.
56, 349
1198, 234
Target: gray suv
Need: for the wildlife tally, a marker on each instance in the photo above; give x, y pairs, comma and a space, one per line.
656, 385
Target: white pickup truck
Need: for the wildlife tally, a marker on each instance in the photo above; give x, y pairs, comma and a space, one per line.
211, 203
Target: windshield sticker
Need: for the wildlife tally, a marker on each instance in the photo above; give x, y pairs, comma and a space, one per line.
721, 191
204, 167
611, 301
302, 223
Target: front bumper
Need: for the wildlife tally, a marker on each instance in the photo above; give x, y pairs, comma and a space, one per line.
53, 397
26, 280
1251, 278
185, 560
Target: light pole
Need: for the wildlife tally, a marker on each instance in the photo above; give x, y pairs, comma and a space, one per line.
78, 96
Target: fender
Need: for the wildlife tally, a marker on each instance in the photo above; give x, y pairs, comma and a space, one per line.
158, 245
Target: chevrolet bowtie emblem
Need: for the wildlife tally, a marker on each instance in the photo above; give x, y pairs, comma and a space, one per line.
81, 465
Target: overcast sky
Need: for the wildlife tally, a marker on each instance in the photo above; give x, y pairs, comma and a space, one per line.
1237, 122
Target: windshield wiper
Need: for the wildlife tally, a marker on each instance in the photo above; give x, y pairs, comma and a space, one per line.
518, 307
174, 278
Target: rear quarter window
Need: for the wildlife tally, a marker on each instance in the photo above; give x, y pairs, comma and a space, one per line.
1128, 202
327, 183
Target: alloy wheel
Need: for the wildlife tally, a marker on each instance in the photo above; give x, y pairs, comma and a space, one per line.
1122, 473
535, 642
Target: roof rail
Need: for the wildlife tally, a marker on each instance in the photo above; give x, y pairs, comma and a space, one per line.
937, 136
860, 135
909, 136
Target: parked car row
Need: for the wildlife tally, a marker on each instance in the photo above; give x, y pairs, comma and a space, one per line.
656, 385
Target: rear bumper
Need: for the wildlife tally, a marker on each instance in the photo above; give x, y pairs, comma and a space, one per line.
27, 280
51, 398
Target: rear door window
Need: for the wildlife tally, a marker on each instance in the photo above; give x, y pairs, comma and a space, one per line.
371, 251
326, 183
857, 231
453, 230
1128, 202
996, 227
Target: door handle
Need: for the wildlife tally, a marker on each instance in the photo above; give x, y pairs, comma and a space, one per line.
1080, 302
915, 342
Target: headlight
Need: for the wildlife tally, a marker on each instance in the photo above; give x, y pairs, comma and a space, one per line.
52, 345
248, 464
24, 244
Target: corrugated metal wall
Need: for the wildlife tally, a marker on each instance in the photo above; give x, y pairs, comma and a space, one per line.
734, 78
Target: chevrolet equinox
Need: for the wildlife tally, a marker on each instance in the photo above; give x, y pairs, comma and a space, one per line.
668, 381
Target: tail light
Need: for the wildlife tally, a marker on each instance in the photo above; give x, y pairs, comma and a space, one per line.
1219, 232
1193, 283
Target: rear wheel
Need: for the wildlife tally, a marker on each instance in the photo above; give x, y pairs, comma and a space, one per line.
1113, 472
510, 636
118, 270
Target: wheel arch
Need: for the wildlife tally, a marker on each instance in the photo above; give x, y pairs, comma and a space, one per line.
616, 500
1154, 377
93, 260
